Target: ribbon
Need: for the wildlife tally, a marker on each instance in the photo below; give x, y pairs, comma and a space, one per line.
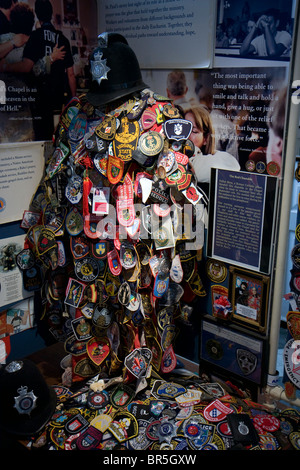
87, 186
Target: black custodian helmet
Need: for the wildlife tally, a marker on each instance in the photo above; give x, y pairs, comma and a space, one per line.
26, 401
115, 70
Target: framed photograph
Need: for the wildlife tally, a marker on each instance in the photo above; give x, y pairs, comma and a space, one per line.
70, 11
248, 294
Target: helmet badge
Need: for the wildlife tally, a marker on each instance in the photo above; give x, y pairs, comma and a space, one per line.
25, 402
99, 68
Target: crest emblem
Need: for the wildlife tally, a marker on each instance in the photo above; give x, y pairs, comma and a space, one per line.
89, 439
293, 324
99, 249
177, 129
216, 411
168, 360
115, 168
107, 128
99, 69
247, 361
194, 429
25, 402
98, 350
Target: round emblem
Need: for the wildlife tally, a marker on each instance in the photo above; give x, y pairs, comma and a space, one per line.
291, 357
188, 148
267, 422
166, 431
214, 349
216, 270
295, 255
97, 400
86, 269
297, 232
250, 165
175, 176
151, 143
260, 167
273, 168
192, 428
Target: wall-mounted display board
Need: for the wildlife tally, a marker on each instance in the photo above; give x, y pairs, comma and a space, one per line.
241, 219
21, 169
164, 34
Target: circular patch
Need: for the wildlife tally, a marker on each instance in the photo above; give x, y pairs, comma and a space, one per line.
291, 358
214, 349
188, 148
194, 427
2, 204
250, 165
267, 422
273, 168
166, 430
151, 143
86, 269
97, 400
260, 167
295, 255
216, 270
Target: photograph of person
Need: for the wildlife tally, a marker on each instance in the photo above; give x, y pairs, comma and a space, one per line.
255, 30
206, 156
43, 52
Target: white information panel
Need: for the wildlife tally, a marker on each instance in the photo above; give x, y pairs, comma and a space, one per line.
164, 33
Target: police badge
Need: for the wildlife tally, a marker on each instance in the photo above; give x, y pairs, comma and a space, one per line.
25, 402
246, 360
99, 68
